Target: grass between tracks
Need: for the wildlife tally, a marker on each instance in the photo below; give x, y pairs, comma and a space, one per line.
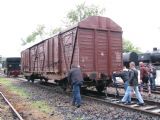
40, 105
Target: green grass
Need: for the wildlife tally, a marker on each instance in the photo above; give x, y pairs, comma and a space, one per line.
5, 82
19, 91
79, 119
40, 105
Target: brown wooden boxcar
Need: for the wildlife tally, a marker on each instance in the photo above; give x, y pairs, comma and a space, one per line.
95, 44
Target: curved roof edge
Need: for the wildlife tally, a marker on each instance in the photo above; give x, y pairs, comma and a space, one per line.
99, 22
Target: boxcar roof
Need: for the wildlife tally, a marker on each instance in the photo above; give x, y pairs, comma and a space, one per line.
92, 22
98, 22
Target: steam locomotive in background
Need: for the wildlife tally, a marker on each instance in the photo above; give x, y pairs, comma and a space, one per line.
148, 57
12, 66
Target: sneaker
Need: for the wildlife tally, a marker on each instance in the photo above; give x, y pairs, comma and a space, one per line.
122, 102
73, 104
78, 106
140, 104
149, 94
128, 103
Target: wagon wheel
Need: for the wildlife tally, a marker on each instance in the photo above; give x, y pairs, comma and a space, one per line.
46, 80
41, 80
64, 86
28, 78
100, 88
31, 78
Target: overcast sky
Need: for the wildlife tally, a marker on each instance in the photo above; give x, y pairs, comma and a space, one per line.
139, 19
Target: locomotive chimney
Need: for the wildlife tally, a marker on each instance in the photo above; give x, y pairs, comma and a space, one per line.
154, 49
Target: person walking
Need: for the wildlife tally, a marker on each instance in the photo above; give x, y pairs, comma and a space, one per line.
152, 76
133, 85
144, 77
123, 74
76, 79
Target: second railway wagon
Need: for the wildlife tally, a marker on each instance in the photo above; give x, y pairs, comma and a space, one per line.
95, 44
12, 66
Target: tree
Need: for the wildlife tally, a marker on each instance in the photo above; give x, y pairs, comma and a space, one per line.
81, 12
40, 31
54, 31
129, 47
32, 37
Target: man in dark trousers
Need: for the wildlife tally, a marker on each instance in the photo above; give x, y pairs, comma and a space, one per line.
152, 76
144, 77
76, 79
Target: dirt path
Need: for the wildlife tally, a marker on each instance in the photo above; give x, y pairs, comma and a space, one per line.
24, 107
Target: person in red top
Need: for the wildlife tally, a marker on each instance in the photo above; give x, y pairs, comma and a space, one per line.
144, 77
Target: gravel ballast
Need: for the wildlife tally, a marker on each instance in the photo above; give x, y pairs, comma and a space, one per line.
90, 109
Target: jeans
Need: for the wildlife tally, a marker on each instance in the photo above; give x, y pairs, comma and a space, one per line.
125, 88
152, 83
126, 85
76, 95
127, 96
115, 83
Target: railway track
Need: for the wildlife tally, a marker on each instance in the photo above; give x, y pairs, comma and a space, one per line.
150, 107
8, 112
157, 91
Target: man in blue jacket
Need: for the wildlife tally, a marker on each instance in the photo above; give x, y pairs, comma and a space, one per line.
76, 79
124, 74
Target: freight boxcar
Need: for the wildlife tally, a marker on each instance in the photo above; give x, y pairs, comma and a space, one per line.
12, 66
95, 44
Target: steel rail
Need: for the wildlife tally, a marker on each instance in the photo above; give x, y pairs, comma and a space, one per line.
121, 86
10, 105
118, 104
